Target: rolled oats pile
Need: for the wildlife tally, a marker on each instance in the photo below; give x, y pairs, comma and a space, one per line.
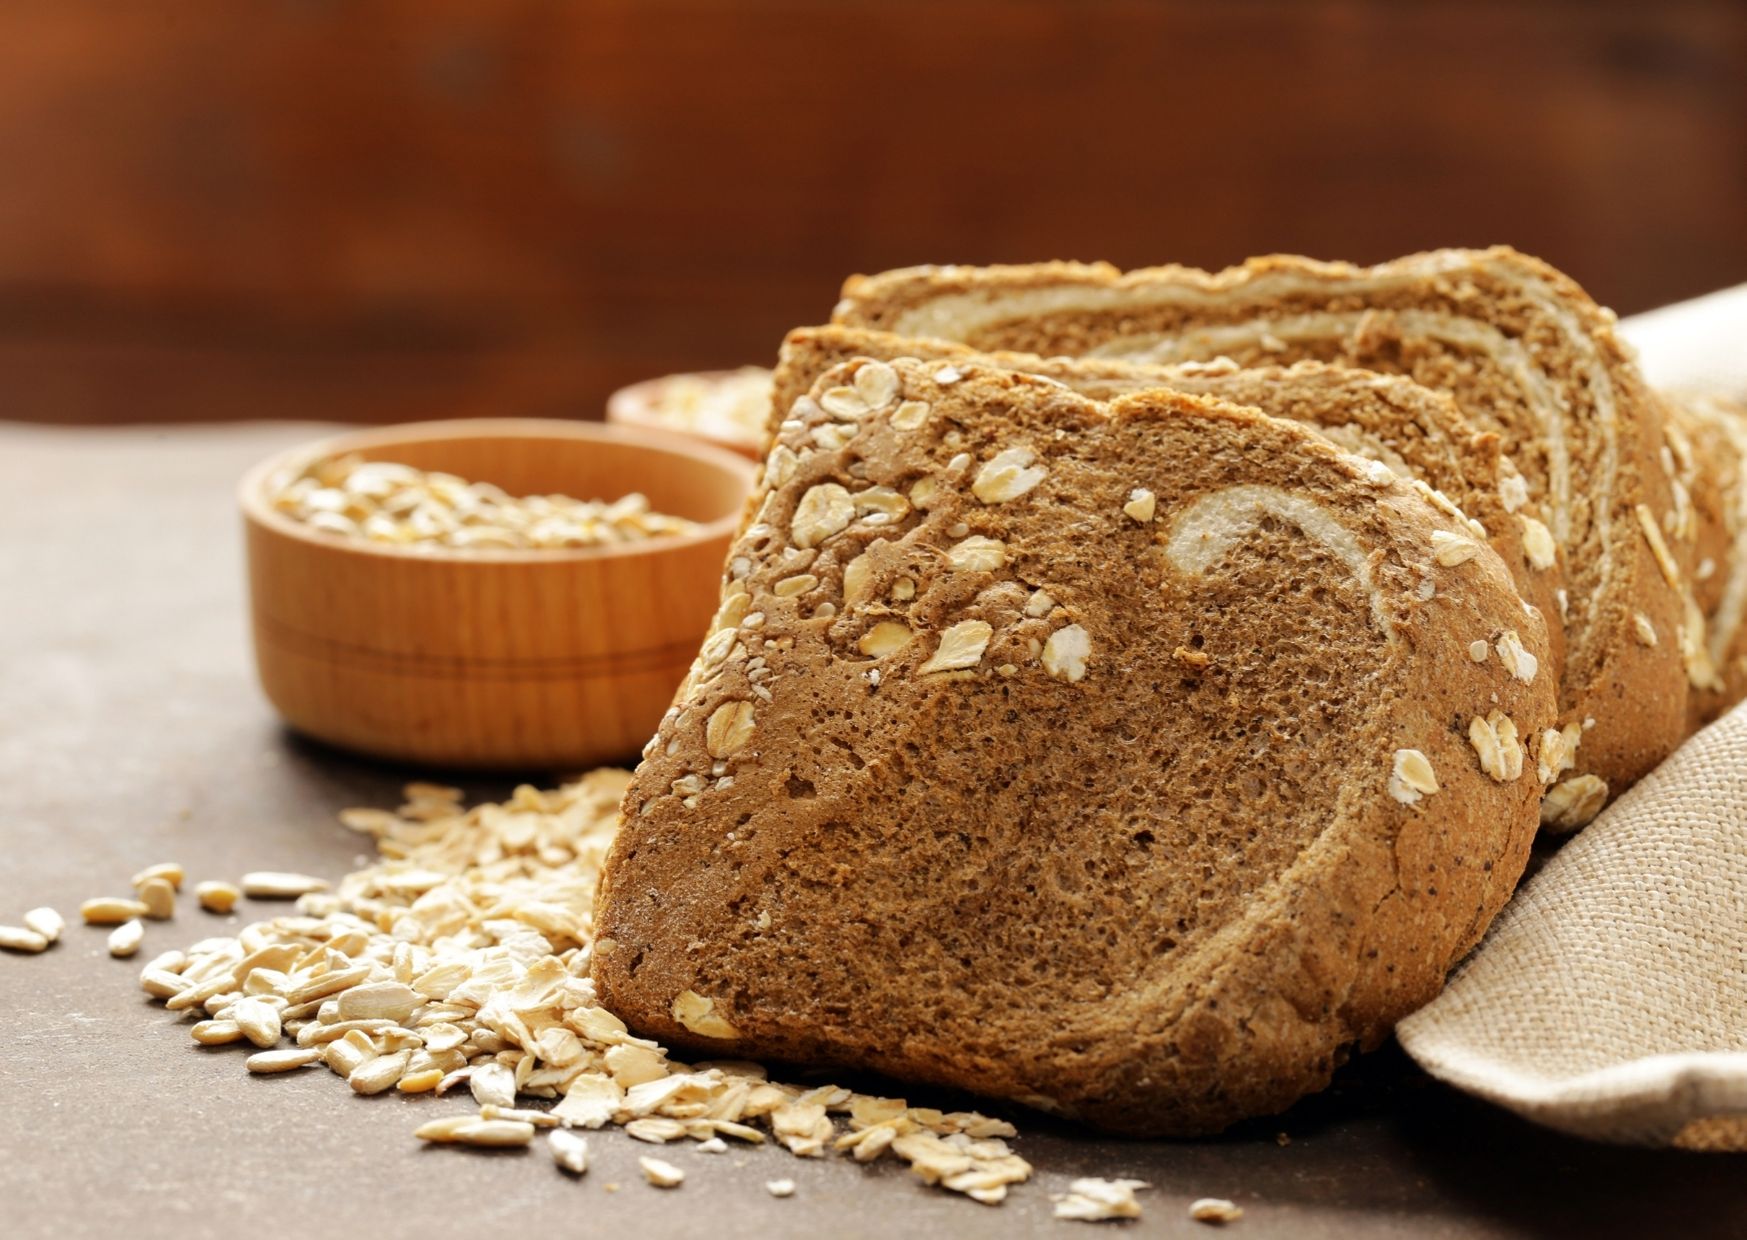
460, 958
731, 407
388, 503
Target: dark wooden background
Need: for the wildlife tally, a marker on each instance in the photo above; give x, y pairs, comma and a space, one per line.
389, 209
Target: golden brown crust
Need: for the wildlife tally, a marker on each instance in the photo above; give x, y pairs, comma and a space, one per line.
1492, 327
1418, 432
1120, 816
1707, 457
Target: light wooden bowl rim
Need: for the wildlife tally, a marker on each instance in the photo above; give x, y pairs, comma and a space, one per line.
252, 490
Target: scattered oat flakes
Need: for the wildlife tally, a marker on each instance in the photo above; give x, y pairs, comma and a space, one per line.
280, 885
110, 911
780, 1188
126, 938
1093, 1200
661, 1174
569, 1150
258, 1020
424, 1081
395, 1001
375, 1076
655, 1129
217, 897
468, 1130
216, 1032
1214, 1210
266, 1063
481, 920
158, 896
493, 1084
46, 922
170, 871
20, 939
1477, 650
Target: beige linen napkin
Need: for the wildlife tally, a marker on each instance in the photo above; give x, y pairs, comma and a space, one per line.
1695, 346
1609, 999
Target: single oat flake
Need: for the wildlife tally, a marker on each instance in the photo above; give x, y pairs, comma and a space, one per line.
1093, 1200
1214, 1210
661, 1174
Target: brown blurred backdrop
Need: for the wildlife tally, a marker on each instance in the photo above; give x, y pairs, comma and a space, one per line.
408, 208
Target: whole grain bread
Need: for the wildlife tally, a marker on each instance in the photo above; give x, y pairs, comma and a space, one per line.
1521, 347
1129, 759
1707, 456
1418, 433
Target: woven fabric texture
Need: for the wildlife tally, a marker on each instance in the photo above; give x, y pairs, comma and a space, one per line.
1609, 999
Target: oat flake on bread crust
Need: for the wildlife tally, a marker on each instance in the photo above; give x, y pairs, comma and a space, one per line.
1159, 877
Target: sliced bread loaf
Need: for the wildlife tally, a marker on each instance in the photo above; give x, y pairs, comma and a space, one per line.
1127, 759
1418, 433
1522, 349
1707, 456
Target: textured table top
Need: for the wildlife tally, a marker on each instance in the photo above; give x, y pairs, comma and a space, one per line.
131, 732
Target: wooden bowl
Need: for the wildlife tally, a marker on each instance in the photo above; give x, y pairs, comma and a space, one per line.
640, 404
493, 659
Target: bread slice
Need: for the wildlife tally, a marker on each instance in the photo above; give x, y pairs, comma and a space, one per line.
1707, 457
1418, 433
1126, 759
1522, 349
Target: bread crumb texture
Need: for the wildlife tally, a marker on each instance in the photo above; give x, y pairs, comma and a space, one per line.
1038, 798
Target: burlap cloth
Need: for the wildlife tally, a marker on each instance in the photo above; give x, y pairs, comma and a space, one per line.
1609, 998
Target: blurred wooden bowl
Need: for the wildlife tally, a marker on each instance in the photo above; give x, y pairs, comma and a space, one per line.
493, 659
648, 404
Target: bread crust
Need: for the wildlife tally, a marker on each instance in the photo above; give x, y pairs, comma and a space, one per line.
1629, 698
1707, 458
1418, 432
1158, 876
